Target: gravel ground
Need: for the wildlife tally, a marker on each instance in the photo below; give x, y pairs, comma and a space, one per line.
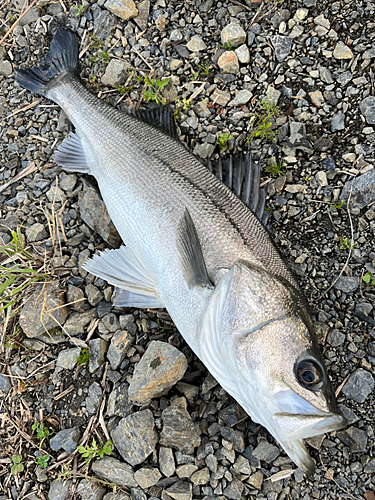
315, 61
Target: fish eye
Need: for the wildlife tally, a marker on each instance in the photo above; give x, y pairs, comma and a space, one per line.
309, 373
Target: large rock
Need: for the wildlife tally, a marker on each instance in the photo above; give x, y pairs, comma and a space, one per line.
228, 62
125, 9
116, 73
361, 190
359, 385
367, 107
160, 368
66, 439
233, 35
94, 213
45, 309
178, 428
134, 437
120, 344
114, 471
282, 46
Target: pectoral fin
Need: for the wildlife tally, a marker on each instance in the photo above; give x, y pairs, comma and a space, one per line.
191, 256
128, 271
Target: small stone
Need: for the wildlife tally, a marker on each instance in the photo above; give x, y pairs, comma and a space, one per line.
317, 98
256, 480
233, 415
55, 194
66, 439
5, 384
119, 346
370, 467
45, 298
77, 321
347, 284
359, 385
143, 13
357, 439
6, 69
242, 97
200, 477
178, 428
266, 451
233, 35
361, 190
282, 46
243, 54
93, 294
325, 75
342, 51
90, 490
234, 489
134, 437
349, 157
93, 399
344, 78
220, 97
75, 297
209, 383
160, 368
321, 177
59, 490
322, 21
98, 349
242, 465
185, 471
67, 182
211, 462
166, 461
338, 121
335, 338
367, 107
67, 359
125, 9
114, 471
175, 64
36, 232
109, 323
228, 62
180, 490
273, 95
147, 477
196, 44
116, 73
204, 150
118, 402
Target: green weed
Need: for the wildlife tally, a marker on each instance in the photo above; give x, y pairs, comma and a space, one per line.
345, 244
154, 88
369, 278
276, 169
17, 466
42, 461
205, 68
223, 140
338, 205
227, 45
261, 122
95, 451
84, 357
80, 9
42, 432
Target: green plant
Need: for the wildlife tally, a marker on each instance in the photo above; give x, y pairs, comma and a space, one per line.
205, 68
101, 55
95, 451
338, 205
80, 9
223, 139
17, 270
42, 432
227, 45
154, 88
84, 357
17, 465
261, 122
345, 244
11, 18
42, 461
276, 169
369, 278
195, 76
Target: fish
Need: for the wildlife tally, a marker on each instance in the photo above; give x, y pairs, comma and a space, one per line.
195, 243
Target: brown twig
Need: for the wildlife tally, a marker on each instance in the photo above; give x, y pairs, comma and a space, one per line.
16, 22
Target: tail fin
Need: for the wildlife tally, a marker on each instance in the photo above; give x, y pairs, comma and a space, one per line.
61, 58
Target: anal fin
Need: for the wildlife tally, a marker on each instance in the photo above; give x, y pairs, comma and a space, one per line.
127, 271
70, 155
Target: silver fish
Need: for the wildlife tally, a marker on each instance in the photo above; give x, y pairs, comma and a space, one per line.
193, 247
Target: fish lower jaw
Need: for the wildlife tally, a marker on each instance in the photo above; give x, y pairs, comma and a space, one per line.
304, 426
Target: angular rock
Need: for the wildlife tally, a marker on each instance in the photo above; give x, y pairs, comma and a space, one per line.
367, 107
119, 346
233, 35
10, 223
220, 97
160, 368
233, 415
266, 451
125, 9
66, 439
196, 44
200, 477
234, 437
342, 51
76, 298
95, 215
75, 324
93, 294
118, 402
228, 62
89, 490
185, 471
338, 121
116, 73
242, 97
243, 54
256, 480
5, 384
335, 338
109, 323
147, 477
59, 490
317, 98
178, 428
359, 385
55, 194
347, 284
282, 46
36, 232
6, 68
362, 190
134, 437
143, 13
93, 399
357, 439
180, 490
370, 467
67, 359
35, 317
114, 471
234, 489
98, 349
166, 461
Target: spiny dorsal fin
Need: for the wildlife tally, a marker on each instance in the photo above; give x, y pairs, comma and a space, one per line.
242, 177
160, 117
194, 267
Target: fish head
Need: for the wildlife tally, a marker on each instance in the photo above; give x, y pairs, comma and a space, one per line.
259, 342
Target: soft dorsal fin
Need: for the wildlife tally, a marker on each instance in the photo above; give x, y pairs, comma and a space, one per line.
194, 267
160, 117
242, 177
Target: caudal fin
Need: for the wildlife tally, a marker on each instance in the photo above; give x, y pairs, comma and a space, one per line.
61, 58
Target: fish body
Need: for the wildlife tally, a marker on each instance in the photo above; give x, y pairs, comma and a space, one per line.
193, 247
